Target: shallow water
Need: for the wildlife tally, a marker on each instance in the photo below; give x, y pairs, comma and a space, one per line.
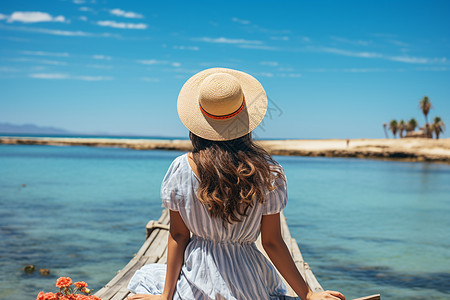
364, 226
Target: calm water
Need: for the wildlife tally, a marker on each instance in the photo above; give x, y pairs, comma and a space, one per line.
364, 226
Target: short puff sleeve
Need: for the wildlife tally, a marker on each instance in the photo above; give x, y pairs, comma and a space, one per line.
276, 200
171, 194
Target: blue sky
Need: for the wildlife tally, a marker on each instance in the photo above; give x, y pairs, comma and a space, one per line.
332, 69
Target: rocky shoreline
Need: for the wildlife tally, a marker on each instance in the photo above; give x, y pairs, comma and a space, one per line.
421, 150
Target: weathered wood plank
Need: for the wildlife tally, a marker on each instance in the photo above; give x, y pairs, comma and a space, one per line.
311, 280
123, 276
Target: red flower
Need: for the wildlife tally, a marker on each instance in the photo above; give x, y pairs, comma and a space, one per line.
50, 296
81, 284
63, 282
66, 291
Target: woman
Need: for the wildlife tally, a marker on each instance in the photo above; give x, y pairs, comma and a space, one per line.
225, 193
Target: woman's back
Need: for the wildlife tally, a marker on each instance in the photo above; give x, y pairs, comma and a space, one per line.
178, 192
221, 261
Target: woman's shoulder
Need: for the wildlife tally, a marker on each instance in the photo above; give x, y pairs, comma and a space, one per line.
178, 161
177, 166
173, 186
277, 169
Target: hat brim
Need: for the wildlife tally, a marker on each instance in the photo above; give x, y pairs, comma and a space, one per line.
223, 129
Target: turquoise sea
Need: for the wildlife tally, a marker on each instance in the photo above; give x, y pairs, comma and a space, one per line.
364, 226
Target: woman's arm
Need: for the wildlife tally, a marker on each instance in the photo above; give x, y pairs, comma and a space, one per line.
279, 254
178, 239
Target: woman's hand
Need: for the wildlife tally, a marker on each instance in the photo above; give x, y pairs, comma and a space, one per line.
146, 297
325, 295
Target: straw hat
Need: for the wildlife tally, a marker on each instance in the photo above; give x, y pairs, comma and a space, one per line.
221, 104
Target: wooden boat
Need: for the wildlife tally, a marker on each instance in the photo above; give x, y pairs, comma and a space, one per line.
154, 250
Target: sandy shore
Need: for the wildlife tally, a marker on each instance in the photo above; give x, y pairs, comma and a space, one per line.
397, 149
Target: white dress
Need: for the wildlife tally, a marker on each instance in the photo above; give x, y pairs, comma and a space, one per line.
220, 262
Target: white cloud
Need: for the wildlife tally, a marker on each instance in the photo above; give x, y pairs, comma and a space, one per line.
305, 39
85, 8
83, 18
43, 53
264, 74
3, 17
8, 69
223, 40
259, 47
125, 14
402, 58
352, 42
33, 17
52, 62
269, 63
417, 60
99, 56
150, 79
49, 76
434, 69
67, 76
363, 70
255, 27
79, 1
121, 25
37, 68
104, 67
398, 43
243, 22
153, 62
59, 32
349, 53
290, 75
159, 62
93, 78
279, 38
354, 70
40, 61
192, 48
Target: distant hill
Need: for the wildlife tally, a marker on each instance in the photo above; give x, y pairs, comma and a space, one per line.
30, 129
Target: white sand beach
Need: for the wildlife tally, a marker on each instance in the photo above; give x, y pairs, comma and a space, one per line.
409, 149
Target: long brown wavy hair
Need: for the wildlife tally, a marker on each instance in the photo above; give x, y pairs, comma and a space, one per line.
234, 175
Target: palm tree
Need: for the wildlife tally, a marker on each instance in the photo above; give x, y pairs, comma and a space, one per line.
425, 106
438, 126
393, 127
385, 131
411, 126
401, 126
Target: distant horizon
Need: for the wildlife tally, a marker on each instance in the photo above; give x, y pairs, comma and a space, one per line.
125, 135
